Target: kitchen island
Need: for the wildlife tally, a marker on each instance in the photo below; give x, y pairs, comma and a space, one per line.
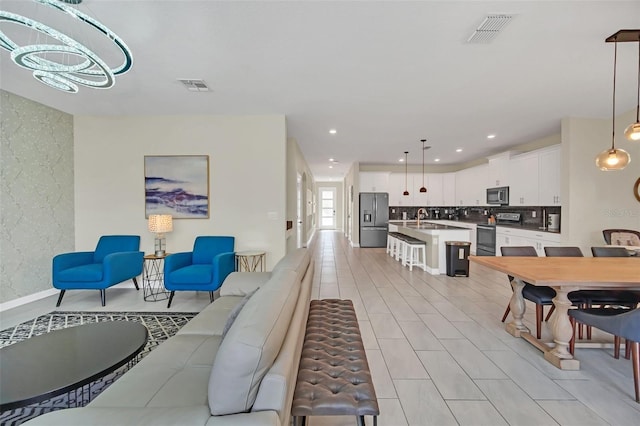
435, 236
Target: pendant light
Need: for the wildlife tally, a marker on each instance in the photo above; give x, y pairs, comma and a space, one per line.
613, 159
406, 192
424, 188
632, 132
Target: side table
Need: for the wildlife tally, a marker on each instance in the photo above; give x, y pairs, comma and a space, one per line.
250, 260
153, 278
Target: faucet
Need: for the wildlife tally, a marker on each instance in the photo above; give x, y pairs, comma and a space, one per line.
418, 215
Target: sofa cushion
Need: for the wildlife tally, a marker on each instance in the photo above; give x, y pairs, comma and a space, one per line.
234, 313
297, 260
241, 283
210, 321
252, 344
193, 274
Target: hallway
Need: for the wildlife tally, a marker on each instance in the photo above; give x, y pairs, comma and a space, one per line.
439, 354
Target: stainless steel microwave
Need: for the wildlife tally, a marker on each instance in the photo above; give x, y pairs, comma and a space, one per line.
498, 195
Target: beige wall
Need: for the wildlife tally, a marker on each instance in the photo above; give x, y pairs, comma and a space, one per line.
247, 168
594, 200
36, 194
297, 165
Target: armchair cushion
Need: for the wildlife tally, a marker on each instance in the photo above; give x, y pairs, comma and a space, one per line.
193, 274
84, 273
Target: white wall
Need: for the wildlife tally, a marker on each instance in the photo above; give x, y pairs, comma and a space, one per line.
594, 200
297, 165
247, 172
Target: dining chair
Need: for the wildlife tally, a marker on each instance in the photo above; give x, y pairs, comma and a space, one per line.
611, 251
620, 323
592, 298
540, 295
621, 237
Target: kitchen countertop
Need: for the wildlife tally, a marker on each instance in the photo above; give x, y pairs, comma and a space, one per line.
506, 225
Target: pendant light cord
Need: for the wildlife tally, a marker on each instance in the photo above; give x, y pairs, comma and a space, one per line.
613, 121
423, 141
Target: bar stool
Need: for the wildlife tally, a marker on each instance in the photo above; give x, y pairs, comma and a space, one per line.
392, 242
401, 244
415, 254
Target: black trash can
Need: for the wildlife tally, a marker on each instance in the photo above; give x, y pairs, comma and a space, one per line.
457, 258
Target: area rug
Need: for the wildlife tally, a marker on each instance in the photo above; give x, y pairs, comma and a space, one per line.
161, 326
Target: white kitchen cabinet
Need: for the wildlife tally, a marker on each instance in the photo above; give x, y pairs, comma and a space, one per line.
420, 199
523, 180
448, 189
498, 172
397, 187
435, 193
471, 186
374, 181
549, 168
522, 237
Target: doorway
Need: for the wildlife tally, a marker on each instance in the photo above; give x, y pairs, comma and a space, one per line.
327, 208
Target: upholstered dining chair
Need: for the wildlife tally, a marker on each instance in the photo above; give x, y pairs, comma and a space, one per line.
540, 295
621, 237
620, 323
611, 251
592, 298
116, 258
203, 269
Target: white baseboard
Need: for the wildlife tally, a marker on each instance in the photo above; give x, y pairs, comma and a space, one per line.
27, 299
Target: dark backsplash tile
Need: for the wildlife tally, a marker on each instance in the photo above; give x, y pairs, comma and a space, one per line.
478, 214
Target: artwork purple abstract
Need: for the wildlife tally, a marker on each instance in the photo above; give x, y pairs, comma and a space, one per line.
177, 185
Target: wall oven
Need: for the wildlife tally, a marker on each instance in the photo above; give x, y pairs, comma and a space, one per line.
485, 240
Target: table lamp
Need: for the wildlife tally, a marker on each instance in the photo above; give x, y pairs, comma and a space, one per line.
159, 224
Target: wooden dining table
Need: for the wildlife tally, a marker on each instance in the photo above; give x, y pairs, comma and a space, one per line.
564, 275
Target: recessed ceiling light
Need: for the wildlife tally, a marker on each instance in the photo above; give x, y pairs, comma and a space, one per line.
491, 136
331, 167
459, 150
332, 159
401, 160
333, 131
436, 160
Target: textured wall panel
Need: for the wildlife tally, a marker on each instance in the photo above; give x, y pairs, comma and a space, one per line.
36, 193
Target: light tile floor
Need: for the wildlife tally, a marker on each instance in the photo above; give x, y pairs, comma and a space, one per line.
437, 350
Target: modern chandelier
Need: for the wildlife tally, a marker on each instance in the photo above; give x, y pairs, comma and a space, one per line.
58, 60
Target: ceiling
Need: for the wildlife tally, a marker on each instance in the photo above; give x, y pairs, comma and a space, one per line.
382, 74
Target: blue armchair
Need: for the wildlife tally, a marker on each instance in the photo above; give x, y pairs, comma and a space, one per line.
203, 269
116, 258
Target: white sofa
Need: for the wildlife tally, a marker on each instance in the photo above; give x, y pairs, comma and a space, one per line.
198, 378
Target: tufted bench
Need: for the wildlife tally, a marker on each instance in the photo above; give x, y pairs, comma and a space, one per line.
333, 377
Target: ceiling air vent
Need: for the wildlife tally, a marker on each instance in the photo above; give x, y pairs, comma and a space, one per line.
194, 85
489, 29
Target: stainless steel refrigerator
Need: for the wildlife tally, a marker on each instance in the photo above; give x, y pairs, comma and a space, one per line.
374, 219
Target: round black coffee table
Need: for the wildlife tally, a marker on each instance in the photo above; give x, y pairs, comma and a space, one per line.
54, 363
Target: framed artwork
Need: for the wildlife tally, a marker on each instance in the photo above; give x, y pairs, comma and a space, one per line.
177, 185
